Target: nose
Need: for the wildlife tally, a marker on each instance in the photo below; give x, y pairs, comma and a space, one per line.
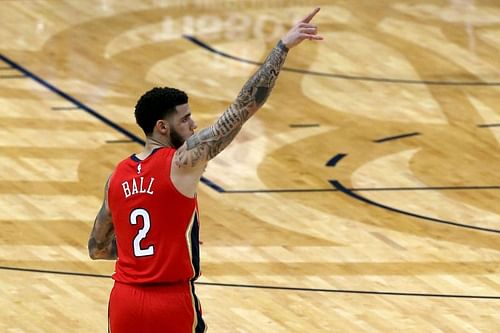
194, 125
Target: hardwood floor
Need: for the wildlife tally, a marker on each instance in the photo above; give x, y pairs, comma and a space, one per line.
363, 197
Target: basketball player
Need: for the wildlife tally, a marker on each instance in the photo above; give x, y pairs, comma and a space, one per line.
149, 219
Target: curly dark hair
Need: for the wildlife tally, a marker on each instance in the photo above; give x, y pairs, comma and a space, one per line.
156, 104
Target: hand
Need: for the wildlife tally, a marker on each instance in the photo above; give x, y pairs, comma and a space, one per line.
302, 30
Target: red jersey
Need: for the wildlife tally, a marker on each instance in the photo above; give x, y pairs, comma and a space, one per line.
156, 227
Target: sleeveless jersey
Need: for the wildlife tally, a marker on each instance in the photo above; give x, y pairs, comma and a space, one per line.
156, 227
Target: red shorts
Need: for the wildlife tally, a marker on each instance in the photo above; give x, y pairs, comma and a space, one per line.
154, 309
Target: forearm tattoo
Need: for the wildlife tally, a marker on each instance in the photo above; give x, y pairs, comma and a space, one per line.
103, 250
102, 240
210, 141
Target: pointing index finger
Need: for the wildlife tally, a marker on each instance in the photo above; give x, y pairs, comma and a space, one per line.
309, 17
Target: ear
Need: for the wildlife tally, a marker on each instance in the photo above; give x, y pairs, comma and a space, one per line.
163, 127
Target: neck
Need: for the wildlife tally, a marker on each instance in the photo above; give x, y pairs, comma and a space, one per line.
152, 144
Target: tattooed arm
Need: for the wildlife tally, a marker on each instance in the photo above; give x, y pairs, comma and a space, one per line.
209, 142
102, 242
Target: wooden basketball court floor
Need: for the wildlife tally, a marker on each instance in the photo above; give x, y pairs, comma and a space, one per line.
364, 197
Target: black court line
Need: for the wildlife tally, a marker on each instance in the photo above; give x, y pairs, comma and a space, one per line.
87, 109
64, 108
396, 137
342, 76
285, 190
348, 291
341, 188
44, 271
255, 286
440, 188
303, 125
367, 189
489, 125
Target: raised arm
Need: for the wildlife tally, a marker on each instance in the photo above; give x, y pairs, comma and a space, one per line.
207, 143
102, 242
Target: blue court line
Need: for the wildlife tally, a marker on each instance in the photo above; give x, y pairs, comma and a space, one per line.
335, 159
212, 185
395, 137
87, 109
283, 288
340, 187
198, 42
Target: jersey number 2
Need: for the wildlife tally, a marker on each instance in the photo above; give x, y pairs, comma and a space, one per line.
143, 232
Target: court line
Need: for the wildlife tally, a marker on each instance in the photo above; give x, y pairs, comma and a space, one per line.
348, 291
45, 271
395, 137
441, 188
340, 187
335, 159
284, 190
89, 110
367, 189
198, 42
255, 286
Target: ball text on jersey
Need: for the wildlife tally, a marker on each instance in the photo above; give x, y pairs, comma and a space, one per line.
137, 186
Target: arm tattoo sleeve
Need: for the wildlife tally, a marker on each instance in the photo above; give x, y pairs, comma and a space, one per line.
102, 240
210, 141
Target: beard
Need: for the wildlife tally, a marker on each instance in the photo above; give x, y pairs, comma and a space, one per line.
176, 139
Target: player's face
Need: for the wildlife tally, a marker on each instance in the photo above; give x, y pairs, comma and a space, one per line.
183, 125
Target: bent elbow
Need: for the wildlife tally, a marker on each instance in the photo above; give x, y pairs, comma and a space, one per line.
93, 251
92, 248
92, 254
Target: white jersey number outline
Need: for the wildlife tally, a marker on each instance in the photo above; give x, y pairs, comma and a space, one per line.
143, 232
